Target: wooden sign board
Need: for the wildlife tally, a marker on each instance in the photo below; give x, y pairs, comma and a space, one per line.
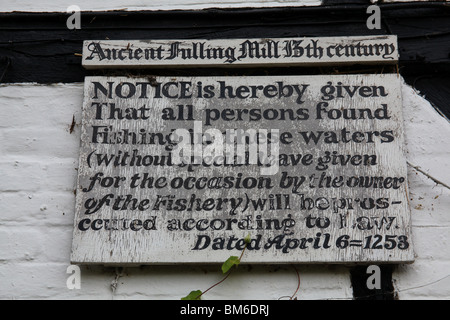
239, 52
182, 170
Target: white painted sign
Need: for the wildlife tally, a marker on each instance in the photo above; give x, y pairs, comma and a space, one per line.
181, 170
239, 52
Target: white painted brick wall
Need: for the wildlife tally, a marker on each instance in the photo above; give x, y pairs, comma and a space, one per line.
38, 161
428, 146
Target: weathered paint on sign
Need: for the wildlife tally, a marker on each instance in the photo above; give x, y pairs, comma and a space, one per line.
239, 52
312, 168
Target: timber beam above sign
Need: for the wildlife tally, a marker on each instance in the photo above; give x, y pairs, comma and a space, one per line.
101, 54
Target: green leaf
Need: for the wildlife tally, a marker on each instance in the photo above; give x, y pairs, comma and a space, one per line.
247, 239
193, 295
231, 261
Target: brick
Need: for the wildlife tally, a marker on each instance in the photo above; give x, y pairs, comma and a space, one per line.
424, 279
36, 175
48, 281
33, 142
38, 208
20, 244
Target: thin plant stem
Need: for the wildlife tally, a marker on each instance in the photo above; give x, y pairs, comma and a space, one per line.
228, 274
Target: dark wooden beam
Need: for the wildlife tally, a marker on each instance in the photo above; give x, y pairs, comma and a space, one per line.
38, 47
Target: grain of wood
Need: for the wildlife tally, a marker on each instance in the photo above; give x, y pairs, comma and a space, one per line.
313, 211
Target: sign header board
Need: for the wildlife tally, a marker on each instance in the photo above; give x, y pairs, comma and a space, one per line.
240, 52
